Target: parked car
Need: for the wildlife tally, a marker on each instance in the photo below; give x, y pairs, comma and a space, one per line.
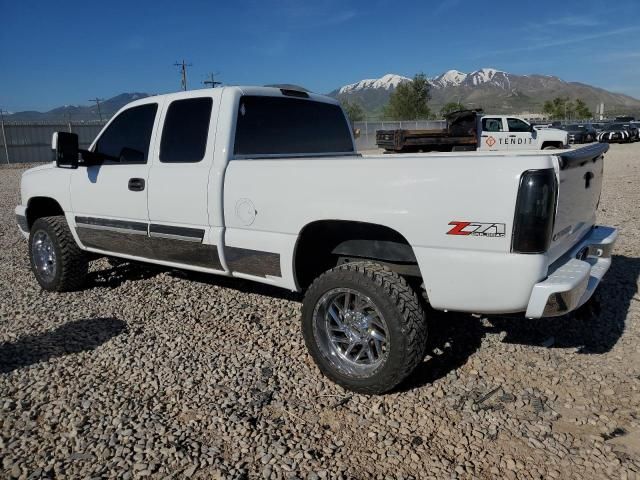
580, 132
618, 133
633, 130
470, 130
598, 127
265, 184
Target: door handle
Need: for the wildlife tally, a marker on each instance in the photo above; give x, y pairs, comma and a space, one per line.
512, 135
136, 184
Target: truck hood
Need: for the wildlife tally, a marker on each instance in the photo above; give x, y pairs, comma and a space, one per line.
553, 130
40, 168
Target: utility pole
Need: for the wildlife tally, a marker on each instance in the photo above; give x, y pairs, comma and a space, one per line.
183, 71
211, 80
4, 137
98, 100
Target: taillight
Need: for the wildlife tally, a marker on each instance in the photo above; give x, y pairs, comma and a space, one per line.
535, 211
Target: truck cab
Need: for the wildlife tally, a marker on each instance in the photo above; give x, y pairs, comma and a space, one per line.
500, 132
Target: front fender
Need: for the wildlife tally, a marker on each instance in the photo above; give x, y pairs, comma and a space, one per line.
46, 181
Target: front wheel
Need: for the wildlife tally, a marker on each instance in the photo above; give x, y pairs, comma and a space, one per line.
364, 327
56, 260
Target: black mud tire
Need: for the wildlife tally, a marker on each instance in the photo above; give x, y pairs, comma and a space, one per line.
72, 264
403, 314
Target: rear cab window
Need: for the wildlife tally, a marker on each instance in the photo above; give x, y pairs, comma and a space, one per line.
492, 125
282, 126
185, 131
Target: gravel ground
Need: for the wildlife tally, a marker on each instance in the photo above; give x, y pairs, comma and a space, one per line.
159, 373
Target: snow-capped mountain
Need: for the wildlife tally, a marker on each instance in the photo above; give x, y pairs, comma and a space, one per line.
489, 76
386, 82
489, 88
451, 78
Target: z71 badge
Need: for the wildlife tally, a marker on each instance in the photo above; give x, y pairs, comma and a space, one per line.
477, 229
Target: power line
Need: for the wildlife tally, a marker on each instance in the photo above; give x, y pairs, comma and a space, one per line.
98, 100
211, 80
183, 71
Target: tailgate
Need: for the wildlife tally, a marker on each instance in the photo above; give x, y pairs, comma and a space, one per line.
580, 183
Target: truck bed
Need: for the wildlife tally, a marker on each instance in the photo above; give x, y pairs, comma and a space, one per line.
430, 140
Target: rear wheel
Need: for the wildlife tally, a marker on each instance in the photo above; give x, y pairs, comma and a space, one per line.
364, 327
56, 260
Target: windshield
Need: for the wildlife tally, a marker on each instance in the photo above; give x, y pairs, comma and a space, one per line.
574, 127
614, 126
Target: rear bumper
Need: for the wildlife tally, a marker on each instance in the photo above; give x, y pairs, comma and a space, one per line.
575, 276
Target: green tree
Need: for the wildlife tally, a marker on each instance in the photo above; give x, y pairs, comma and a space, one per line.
564, 108
410, 100
353, 110
450, 108
582, 111
559, 107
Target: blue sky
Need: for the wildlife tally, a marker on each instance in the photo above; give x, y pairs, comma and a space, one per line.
66, 52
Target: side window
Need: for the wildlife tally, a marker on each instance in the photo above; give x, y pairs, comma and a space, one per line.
517, 125
492, 125
130, 130
185, 131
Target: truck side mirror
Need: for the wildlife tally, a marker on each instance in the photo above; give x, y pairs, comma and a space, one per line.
65, 145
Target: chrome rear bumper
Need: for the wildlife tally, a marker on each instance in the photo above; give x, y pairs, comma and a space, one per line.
575, 277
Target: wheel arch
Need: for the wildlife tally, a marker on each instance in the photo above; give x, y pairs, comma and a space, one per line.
552, 144
321, 243
42, 206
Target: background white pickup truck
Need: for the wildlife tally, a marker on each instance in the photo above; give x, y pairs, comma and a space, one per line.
502, 132
265, 184
468, 130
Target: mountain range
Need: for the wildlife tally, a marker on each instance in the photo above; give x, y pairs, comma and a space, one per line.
493, 90
77, 112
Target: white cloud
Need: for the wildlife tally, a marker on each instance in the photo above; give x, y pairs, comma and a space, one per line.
444, 6
574, 21
561, 42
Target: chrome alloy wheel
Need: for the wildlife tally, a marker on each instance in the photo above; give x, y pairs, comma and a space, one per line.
350, 332
44, 255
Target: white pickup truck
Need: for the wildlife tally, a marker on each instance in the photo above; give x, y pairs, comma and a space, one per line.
468, 130
265, 184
